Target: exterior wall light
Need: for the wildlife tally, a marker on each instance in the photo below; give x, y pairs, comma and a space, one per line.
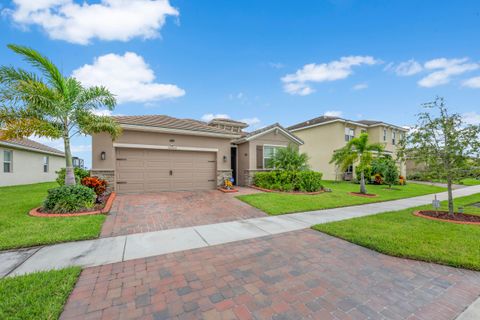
103, 155
224, 158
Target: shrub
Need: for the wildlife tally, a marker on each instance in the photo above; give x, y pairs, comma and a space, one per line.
309, 181
367, 171
96, 184
305, 181
79, 175
290, 159
391, 174
402, 181
69, 199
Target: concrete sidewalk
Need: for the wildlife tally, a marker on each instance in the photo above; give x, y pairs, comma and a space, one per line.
122, 248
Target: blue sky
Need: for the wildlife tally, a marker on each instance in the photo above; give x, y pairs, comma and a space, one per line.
259, 61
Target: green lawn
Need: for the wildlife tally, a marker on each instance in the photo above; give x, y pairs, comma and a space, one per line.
402, 234
281, 203
38, 295
470, 182
18, 229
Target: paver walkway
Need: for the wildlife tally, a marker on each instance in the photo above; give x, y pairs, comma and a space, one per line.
137, 213
296, 275
122, 248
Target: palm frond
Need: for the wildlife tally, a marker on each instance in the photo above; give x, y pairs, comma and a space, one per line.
95, 98
89, 123
48, 69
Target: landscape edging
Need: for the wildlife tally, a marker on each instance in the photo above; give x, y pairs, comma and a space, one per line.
108, 205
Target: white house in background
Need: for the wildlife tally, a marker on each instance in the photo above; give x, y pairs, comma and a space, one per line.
24, 161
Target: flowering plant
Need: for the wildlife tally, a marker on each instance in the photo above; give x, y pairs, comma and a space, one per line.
228, 184
98, 185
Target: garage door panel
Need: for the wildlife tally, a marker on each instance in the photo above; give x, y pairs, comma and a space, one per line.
145, 170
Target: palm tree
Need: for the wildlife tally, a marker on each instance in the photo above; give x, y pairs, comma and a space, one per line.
50, 104
357, 150
290, 159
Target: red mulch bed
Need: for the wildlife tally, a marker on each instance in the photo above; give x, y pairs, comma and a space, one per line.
461, 218
101, 208
365, 195
291, 192
227, 190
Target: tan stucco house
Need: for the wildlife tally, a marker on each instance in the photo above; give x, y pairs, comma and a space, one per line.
161, 153
25, 161
323, 135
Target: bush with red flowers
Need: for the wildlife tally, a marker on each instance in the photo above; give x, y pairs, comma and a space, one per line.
98, 185
378, 179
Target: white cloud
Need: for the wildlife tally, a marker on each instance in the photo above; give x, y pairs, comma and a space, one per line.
299, 82
252, 122
446, 69
333, 113
360, 86
408, 68
210, 116
102, 112
58, 144
105, 20
128, 77
79, 148
471, 118
472, 83
276, 65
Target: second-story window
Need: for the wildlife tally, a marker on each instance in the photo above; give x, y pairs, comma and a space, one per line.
394, 136
349, 134
384, 134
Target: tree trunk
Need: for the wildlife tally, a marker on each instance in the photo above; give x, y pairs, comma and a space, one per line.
363, 189
450, 196
69, 172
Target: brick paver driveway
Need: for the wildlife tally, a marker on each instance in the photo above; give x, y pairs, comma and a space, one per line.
135, 213
296, 275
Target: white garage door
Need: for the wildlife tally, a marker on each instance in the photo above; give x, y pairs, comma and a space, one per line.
146, 170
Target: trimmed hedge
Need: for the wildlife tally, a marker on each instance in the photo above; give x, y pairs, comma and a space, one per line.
304, 181
67, 199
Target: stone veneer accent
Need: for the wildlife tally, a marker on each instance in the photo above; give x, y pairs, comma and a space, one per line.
222, 175
249, 174
108, 175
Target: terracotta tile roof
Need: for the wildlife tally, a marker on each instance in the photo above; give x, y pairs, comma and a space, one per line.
324, 119
30, 144
261, 130
233, 122
313, 121
162, 121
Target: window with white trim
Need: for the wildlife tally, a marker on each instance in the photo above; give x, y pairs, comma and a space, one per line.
394, 136
269, 153
45, 163
349, 134
384, 134
7, 160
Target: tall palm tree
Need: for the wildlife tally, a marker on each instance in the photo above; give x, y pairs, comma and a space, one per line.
357, 150
49, 104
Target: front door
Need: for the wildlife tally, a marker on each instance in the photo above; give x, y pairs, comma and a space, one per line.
233, 158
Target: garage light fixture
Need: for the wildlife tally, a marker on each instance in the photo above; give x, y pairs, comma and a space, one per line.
103, 155
224, 158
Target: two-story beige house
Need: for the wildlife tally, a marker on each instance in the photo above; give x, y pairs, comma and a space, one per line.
323, 135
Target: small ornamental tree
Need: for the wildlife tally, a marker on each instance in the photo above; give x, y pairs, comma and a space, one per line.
357, 151
443, 142
390, 173
49, 104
